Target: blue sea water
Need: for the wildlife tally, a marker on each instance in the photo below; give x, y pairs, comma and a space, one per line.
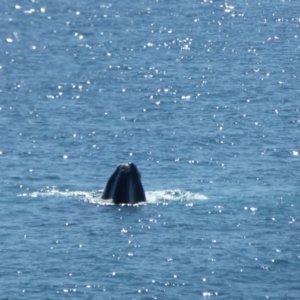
203, 96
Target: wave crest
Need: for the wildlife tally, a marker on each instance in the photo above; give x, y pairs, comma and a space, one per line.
163, 196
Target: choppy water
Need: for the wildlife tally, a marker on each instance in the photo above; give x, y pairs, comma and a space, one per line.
203, 96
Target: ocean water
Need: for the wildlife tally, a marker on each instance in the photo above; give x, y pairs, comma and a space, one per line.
203, 96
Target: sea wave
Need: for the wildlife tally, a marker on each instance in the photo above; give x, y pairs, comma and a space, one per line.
156, 197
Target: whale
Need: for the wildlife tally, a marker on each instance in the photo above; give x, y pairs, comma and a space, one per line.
124, 186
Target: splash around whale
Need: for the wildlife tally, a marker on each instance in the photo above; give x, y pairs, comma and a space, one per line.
125, 186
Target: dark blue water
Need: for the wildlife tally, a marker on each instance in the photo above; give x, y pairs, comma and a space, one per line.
203, 96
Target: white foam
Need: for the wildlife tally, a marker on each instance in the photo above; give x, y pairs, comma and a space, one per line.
163, 196
173, 195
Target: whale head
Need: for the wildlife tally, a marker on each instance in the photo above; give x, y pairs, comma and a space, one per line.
125, 186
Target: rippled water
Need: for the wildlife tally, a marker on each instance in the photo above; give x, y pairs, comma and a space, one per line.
202, 96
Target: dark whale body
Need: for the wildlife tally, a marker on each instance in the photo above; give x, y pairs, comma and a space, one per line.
125, 186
